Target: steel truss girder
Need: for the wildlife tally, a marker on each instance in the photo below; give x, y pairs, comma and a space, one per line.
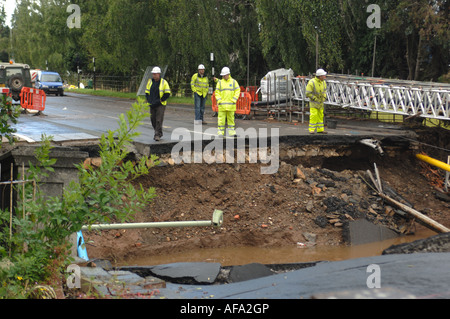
397, 99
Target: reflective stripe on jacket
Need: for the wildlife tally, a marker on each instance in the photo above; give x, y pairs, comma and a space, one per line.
227, 94
163, 88
316, 91
199, 84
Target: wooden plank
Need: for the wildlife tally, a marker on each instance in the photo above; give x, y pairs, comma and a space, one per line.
427, 221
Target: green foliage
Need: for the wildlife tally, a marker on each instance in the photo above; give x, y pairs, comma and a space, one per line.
284, 45
107, 191
9, 113
126, 36
39, 243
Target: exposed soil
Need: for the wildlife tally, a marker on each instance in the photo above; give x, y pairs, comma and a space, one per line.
308, 195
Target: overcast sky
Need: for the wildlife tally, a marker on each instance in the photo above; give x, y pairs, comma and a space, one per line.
9, 8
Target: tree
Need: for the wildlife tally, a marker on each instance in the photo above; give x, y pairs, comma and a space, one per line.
123, 34
4, 34
320, 23
283, 43
292, 41
424, 27
126, 36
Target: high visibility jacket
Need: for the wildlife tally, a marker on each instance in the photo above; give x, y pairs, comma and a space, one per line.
164, 88
199, 84
227, 94
316, 91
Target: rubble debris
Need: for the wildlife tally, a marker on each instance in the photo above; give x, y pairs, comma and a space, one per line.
425, 220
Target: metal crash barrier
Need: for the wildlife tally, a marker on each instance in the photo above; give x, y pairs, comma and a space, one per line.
216, 221
32, 99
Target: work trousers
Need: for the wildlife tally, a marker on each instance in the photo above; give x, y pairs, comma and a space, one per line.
157, 118
199, 102
225, 118
316, 120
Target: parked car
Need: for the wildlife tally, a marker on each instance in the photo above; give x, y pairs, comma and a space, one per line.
13, 77
50, 82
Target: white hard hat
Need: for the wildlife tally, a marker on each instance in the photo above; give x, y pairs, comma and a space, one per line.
201, 67
320, 72
156, 70
225, 71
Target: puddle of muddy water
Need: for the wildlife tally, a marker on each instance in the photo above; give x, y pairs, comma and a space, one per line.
281, 255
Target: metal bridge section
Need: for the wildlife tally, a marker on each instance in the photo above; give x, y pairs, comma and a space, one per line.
425, 99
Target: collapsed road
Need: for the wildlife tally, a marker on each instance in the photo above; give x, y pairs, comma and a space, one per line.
286, 208
81, 117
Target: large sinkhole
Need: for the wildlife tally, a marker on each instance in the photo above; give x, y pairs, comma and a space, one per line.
303, 208
298, 213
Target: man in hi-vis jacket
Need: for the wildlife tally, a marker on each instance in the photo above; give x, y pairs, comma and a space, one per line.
316, 91
227, 93
157, 92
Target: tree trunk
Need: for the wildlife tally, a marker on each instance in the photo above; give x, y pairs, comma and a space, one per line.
418, 59
409, 56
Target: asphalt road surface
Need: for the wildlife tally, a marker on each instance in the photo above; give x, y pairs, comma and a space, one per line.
79, 117
416, 276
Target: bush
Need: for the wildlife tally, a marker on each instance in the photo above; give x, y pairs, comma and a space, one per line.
8, 113
38, 247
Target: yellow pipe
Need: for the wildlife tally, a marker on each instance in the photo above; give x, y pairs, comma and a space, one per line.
434, 162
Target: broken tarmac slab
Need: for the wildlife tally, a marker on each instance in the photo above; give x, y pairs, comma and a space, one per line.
181, 273
118, 283
188, 273
407, 273
437, 244
147, 280
248, 272
403, 275
204, 273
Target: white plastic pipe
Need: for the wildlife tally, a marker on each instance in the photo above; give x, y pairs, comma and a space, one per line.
217, 221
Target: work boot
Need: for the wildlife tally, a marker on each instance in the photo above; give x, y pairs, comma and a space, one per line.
323, 132
231, 132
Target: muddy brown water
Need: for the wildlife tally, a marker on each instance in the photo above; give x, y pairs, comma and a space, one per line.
232, 256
